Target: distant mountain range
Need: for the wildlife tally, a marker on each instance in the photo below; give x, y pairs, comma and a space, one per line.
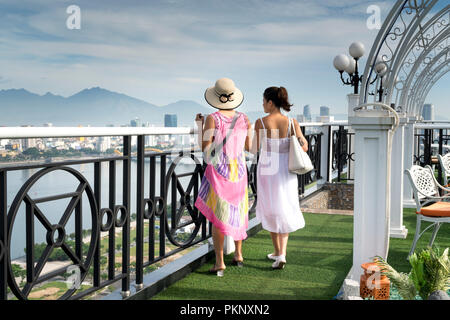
96, 107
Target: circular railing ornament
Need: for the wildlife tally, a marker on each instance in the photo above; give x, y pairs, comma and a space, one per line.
149, 208
160, 205
110, 219
122, 210
185, 202
61, 235
56, 233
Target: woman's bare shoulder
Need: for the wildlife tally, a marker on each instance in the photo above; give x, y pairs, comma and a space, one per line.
209, 122
258, 124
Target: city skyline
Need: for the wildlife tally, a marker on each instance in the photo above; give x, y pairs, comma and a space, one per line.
308, 114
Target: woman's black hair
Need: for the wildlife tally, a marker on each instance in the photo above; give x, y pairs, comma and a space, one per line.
279, 96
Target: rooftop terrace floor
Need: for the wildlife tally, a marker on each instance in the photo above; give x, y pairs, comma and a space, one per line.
318, 260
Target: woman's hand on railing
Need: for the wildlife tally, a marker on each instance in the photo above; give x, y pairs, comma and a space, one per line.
199, 120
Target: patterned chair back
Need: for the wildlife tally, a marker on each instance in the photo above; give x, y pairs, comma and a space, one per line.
423, 183
444, 161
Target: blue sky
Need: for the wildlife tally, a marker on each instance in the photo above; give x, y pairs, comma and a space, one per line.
162, 51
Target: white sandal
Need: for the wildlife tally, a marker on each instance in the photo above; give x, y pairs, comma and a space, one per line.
271, 256
279, 263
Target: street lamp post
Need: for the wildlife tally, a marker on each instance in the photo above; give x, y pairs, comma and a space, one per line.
381, 70
343, 63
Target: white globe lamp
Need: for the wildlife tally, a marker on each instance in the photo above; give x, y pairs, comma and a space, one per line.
351, 68
341, 62
357, 50
381, 69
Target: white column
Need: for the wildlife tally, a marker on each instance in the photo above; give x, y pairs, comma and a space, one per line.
408, 201
353, 102
326, 150
372, 187
397, 229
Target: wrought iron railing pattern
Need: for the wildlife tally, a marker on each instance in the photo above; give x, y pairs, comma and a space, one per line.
343, 154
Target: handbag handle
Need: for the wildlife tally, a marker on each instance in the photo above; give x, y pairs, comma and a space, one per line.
291, 122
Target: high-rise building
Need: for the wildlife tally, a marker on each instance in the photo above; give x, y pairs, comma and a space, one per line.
428, 112
27, 143
170, 120
136, 122
307, 113
324, 111
103, 144
150, 140
300, 118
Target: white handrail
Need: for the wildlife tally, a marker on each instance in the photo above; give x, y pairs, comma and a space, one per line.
68, 132
73, 132
431, 126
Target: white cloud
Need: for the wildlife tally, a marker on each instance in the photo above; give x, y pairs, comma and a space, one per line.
163, 51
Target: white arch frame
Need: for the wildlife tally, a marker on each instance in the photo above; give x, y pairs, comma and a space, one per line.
408, 42
415, 80
437, 76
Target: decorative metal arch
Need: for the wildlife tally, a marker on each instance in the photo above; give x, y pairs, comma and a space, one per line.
426, 77
426, 90
422, 67
410, 39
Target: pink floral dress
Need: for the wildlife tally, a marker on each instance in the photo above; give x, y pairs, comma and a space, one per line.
223, 194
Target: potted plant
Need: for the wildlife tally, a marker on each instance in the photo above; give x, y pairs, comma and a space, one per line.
429, 275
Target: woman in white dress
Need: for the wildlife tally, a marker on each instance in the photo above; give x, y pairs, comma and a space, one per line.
277, 206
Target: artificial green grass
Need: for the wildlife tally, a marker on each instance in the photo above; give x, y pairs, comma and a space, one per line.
318, 259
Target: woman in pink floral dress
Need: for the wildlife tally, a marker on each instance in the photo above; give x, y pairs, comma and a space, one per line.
223, 194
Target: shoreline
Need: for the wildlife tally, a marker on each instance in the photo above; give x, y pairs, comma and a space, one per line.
5, 164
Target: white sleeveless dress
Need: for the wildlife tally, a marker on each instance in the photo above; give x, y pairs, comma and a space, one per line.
278, 206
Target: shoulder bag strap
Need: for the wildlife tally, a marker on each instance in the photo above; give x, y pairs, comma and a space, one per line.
219, 147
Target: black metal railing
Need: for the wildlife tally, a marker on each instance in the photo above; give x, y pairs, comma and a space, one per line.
424, 151
314, 152
89, 257
162, 209
82, 259
342, 154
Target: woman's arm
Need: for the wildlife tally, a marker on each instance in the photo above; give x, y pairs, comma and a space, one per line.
249, 139
300, 136
256, 137
206, 132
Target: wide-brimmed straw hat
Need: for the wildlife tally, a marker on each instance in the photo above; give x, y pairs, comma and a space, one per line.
224, 95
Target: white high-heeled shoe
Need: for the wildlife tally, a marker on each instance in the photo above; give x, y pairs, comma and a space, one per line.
279, 263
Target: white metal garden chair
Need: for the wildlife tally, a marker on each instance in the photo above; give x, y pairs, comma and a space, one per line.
431, 207
444, 161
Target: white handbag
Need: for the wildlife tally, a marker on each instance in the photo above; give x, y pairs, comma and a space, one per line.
299, 161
